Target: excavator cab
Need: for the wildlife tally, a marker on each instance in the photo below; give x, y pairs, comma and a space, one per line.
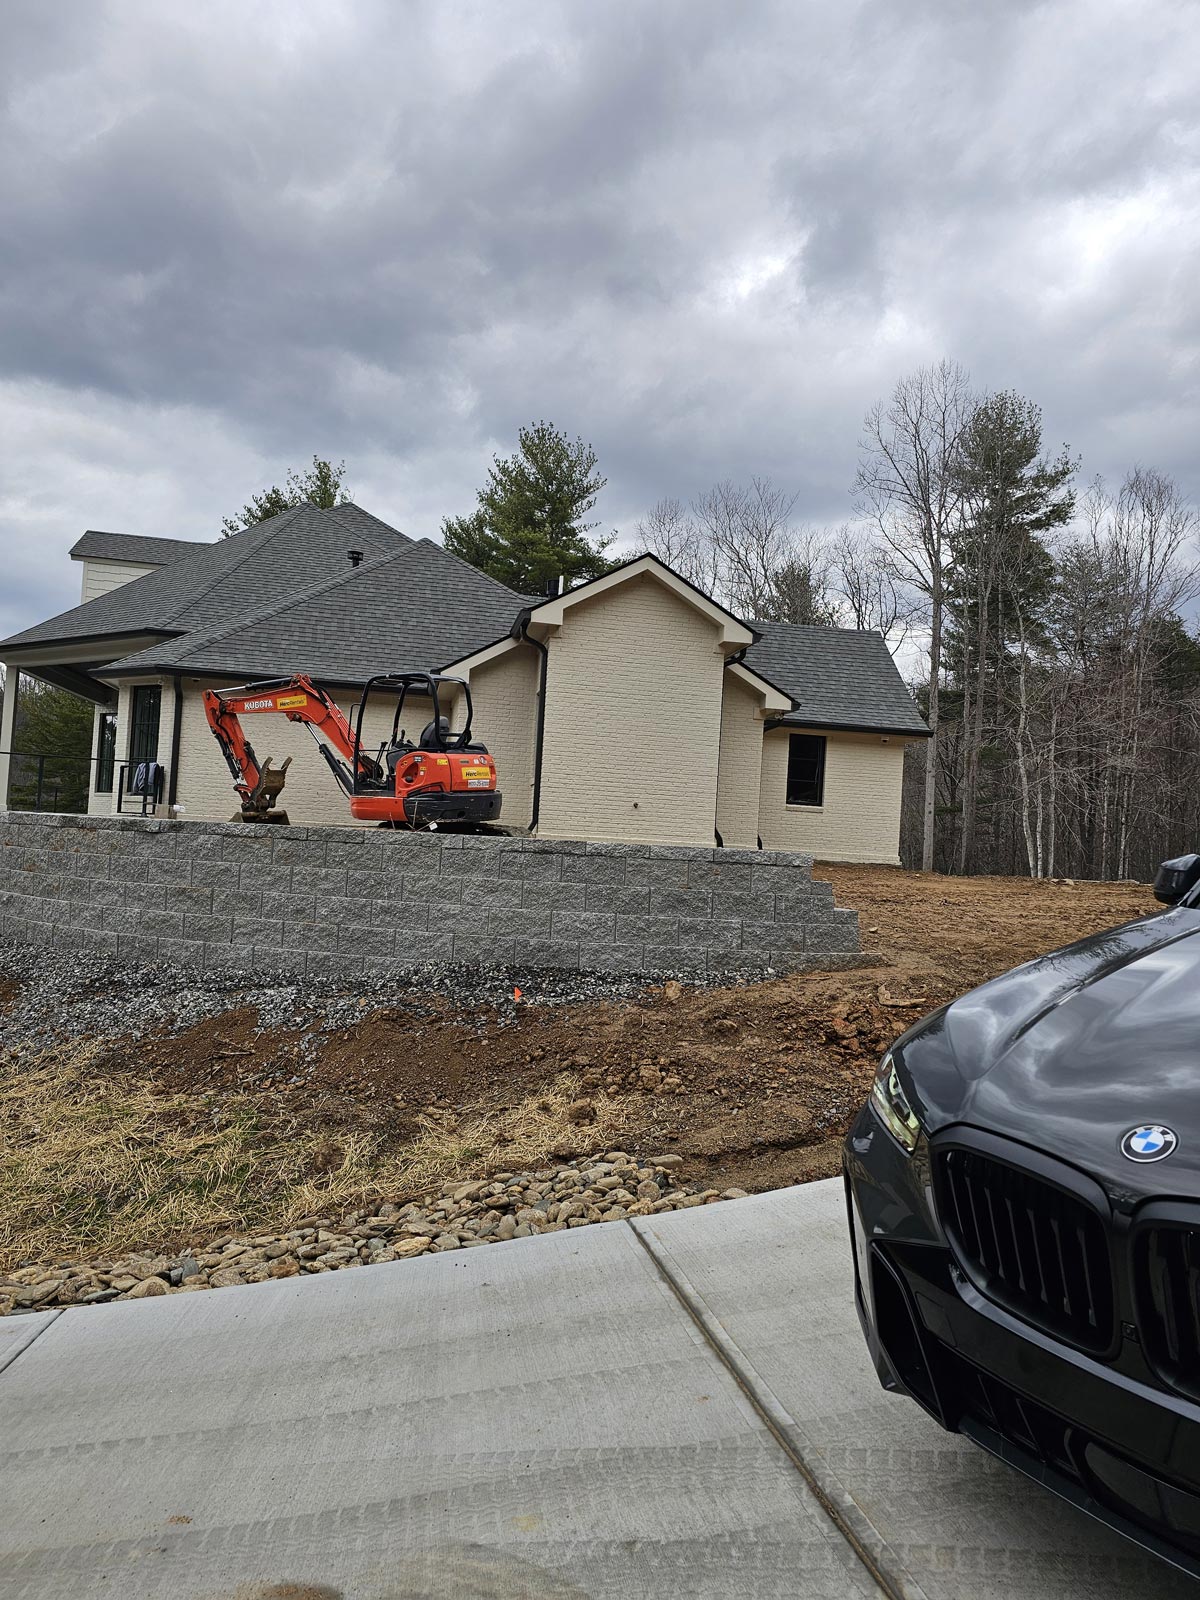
441, 778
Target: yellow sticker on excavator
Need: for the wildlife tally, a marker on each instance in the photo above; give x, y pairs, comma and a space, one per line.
476, 772
289, 702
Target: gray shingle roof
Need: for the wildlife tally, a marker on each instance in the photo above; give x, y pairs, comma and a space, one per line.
256, 567
355, 520
419, 607
838, 677
141, 549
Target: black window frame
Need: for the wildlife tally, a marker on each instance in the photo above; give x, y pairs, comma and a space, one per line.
144, 722
106, 753
806, 750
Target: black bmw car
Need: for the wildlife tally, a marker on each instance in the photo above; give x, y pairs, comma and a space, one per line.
1023, 1190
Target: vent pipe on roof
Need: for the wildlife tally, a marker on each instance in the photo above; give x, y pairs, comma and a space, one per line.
355, 557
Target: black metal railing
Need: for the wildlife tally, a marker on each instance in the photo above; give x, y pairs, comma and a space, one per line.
141, 786
39, 780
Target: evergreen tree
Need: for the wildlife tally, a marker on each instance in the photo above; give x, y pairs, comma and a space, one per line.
320, 485
57, 725
528, 529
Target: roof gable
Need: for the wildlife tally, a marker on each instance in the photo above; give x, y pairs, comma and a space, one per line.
551, 613
140, 549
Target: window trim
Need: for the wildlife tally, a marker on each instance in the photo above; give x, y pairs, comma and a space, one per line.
822, 744
106, 757
136, 757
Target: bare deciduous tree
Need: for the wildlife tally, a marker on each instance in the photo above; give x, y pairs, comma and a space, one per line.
907, 483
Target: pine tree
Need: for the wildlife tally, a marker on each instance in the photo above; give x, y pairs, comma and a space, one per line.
528, 529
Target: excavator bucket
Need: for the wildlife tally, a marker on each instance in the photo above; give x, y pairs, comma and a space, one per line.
258, 806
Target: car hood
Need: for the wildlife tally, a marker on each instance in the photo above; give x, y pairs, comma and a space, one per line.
1071, 1051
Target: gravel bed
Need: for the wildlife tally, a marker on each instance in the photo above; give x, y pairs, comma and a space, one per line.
464, 1216
80, 995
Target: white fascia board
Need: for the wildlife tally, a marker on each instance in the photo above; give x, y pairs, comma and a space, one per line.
467, 665
773, 699
733, 634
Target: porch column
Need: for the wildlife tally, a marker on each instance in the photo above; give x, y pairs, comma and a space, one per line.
8, 721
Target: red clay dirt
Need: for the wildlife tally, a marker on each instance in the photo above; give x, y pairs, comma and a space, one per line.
753, 1085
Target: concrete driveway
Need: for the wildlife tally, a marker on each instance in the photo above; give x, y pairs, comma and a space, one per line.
678, 1407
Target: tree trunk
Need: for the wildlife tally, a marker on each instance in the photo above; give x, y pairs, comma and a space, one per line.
931, 752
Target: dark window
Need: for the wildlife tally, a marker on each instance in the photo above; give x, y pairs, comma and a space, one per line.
106, 753
806, 770
143, 723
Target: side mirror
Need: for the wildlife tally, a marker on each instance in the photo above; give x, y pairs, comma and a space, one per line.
1176, 879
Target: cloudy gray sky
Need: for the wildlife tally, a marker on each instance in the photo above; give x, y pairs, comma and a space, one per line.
704, 236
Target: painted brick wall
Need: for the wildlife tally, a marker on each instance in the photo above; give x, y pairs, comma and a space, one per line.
860, 819
632, 733
504, 696
344, 901
740, 766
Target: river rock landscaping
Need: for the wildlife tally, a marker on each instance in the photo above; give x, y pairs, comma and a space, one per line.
511, 1205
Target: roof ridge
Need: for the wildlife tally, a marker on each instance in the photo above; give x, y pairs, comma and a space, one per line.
252, 545
250, 619
476, 571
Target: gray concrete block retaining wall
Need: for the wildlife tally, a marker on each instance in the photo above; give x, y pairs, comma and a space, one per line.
340, 900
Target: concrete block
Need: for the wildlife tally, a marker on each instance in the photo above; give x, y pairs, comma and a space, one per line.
706, 933
288, 907
681, 852
534, 954
597, 927
364, 941
559, 847
207, 928
719, 874
186, 953
135, 948
470, 864
671, 873
319, 937
493, 893
669, 961
354, 850
531, 867
174, 874
606, 869
321, 881
631, 852
520, 922
625, 902
558, 896
764, 936
299, 853
412, 948
623, 957
435, 890
233, 902
482, 951
732, 905
781, 879
399, 914
839, 932
646, 930
681, 902
250, 931
147, 894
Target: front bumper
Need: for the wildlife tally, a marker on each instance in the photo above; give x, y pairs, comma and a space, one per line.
1099, 1432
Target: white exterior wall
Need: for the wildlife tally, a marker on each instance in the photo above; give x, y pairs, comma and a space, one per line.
633, 720
504, 696
311, 794
740, 766
860, 817
106, 804
99, 577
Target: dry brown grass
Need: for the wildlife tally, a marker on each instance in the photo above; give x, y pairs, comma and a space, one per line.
92, 1163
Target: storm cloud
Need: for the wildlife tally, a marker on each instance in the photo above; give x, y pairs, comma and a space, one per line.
704, 236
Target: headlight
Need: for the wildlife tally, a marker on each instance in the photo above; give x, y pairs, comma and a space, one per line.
891, 1105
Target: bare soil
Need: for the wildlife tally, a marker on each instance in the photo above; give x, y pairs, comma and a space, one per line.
754, 1085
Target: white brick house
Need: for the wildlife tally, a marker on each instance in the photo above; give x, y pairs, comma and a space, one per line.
631, 708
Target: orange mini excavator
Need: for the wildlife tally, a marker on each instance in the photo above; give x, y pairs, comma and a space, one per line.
441, 779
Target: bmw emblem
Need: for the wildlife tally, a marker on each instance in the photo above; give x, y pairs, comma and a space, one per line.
1150, 1142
